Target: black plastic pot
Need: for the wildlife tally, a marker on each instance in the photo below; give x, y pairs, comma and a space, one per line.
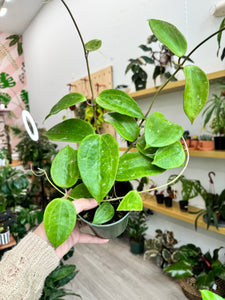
140, 85
159, 198
219, 142
183, 205
168, 201
136, 247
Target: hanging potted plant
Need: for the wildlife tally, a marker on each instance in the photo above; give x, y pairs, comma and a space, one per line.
97, 162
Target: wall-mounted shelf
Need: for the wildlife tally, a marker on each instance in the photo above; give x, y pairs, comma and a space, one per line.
196, 153
174, 86
149, 201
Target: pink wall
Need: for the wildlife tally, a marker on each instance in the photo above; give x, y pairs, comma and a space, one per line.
13, 86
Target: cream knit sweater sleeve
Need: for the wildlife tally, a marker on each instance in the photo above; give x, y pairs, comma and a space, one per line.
24, 268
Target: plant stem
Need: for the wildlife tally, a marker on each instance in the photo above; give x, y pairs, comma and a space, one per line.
87, 65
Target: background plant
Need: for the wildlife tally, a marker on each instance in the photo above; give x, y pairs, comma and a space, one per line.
161, 249
203, 266
137, 226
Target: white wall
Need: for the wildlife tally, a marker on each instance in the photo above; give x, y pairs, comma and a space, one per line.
54, 58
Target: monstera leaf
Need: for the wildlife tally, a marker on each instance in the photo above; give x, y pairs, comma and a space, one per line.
6, 81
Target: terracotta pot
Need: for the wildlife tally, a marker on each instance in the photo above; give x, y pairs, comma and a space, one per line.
194, 144
206, 145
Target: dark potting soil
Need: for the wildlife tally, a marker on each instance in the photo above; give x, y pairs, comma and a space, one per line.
89, 215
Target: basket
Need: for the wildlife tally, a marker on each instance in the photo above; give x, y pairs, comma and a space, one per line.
190, 291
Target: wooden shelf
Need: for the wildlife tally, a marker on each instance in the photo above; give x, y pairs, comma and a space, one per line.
174, 86
149, 201
196, 153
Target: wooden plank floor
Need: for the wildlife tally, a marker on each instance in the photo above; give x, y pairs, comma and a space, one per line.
112, 272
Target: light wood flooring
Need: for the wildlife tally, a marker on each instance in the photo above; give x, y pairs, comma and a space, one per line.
112, 272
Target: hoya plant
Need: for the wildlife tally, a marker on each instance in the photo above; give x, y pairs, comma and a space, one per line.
96, 164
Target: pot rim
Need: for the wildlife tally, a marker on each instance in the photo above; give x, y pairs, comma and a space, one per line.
104, 225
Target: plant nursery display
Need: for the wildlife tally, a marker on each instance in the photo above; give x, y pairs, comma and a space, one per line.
161, 249
205, 268
93, 169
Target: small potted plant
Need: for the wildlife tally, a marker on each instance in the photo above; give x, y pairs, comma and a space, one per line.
137, 228
161, 249
97, 161
194, 142
206, 143
214, 115
190, 188
199, 270
7, 218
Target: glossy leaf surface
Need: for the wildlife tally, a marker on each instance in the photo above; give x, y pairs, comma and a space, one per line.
80, 191
170, 157
120, 102
135, 165
196, 91
93, 45
141, 146
71, 131
59, 220
180, 269
64, 168
159, 132
103, 214
67, 101
132, 201
98, 157
169, 35
126, 126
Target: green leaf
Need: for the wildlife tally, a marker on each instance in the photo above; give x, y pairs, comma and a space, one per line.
170, 157
196, 91
208, 295
141, 146
71, 131
59, 220
103, 213
169, 35
120, 102
126, 126
80, 191
135, 165
61, 272
64, 168
132, 201
180, 269
159, 132
67, 101
98, 157
93, 45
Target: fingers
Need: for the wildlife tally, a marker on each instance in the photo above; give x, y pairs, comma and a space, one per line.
84, 204
88, 238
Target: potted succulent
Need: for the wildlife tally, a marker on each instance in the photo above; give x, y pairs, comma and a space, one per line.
162, 249
97, 162
137, 228
7, 218
139, 76
195, 268
214, 115
206, 143
194, 142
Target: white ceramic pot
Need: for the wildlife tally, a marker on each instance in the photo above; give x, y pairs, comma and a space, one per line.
5, 237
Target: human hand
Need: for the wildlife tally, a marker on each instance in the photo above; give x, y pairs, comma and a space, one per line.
76, 236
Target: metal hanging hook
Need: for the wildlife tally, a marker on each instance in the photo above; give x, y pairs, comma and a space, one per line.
210, 176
